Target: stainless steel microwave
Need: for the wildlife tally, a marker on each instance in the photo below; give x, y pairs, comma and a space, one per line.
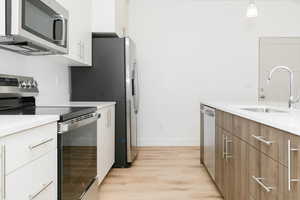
34, 27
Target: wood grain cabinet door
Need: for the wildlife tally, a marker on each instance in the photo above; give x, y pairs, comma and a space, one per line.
240, 128
254, 171
240, 161
219, 175
263, 176
272, 142
270, 185
228, 164
219, 118
227, 122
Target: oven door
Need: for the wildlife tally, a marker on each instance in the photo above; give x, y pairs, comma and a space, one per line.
77, 160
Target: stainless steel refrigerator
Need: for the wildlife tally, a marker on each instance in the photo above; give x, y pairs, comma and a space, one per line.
113, 77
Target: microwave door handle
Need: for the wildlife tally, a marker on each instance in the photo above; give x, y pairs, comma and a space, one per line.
59, 17
54, 29
64, 31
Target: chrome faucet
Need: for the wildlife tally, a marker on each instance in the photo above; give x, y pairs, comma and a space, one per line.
292, 99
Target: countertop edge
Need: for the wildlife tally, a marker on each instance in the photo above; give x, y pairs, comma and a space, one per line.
33, 123
262, 120
98, 104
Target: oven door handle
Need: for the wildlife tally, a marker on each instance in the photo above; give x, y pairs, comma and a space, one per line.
78, 122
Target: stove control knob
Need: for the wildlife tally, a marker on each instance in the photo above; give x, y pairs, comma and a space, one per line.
22, 84
28, 84
31, 84
34, 84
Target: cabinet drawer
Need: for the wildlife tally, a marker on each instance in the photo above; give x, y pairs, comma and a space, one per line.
240, 127
263, 176
243, 128
35, 181
29, 145
272, 142
254, 170
227, 121
219, 118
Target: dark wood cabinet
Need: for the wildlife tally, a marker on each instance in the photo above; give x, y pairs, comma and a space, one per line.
240, 169
219, 175
253, 161
290, 174
228, 166
227, 122
254, 171
264, 176
231, 153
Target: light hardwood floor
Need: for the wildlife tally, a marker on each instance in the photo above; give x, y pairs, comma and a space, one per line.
161, 174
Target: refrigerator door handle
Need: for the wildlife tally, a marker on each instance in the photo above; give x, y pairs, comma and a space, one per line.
135, 87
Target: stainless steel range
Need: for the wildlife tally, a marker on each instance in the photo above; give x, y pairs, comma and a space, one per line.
77, 136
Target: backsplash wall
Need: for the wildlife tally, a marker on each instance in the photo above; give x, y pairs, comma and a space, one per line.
52, 77
278, 51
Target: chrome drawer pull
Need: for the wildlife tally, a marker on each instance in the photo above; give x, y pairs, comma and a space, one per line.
3, 171
224, 146
290, 151
226, 155
45, 186
262, 139
31, 147
259, 181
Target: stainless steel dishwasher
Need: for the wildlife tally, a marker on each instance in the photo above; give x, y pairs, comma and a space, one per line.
209, 139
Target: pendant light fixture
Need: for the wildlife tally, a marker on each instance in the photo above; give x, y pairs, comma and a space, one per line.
252, 10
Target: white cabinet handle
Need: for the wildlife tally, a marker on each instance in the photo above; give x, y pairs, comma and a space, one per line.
33, 146
262, 139
259, 181
83, 50
45, 186
290, 151
3, 171
79, 49
108, 123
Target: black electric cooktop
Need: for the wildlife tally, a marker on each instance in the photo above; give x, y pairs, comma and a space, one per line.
65, 113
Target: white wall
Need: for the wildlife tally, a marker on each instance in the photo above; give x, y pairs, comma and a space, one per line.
190, 50
53, 78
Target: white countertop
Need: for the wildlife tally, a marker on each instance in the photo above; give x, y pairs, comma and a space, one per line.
98, 104
289, 122
10, 124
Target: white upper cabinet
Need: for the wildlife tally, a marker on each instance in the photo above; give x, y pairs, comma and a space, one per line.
80, 32
110, 16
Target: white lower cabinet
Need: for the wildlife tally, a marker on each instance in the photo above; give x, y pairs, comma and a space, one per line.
29, 164
35, 181
29, 145
106, 141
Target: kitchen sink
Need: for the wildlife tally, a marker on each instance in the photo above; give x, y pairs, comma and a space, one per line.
264, 110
